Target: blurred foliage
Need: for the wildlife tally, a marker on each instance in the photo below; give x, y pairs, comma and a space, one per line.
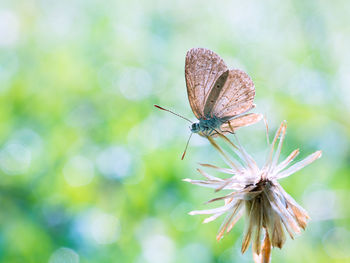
91, 171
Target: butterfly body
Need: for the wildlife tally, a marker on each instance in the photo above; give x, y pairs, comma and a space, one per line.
207, 127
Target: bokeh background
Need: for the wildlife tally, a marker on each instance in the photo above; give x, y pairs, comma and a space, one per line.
90, 171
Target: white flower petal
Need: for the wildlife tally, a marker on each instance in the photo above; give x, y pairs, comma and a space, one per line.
269, 158
279, 147
208, 176
286, 162
231, 163
244, 194
290, 199
223, 170
230, 220
281, 210
249, 161
209, 184
214, 210
213, 217
299, 165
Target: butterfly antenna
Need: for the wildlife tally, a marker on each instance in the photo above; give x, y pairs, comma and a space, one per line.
161, 108
183, 155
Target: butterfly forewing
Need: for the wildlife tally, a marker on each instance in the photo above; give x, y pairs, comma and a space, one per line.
236, 97
202, 69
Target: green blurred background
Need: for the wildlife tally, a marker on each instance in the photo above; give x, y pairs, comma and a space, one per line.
90, 171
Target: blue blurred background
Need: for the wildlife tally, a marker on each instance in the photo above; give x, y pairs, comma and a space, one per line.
90, 171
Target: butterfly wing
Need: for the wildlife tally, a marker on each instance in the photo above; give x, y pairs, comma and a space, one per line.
236, 96
214, 94
202, 68
241, 121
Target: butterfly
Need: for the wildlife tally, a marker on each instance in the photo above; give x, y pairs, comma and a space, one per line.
219, 97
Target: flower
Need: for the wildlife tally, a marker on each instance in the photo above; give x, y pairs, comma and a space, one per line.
256, 190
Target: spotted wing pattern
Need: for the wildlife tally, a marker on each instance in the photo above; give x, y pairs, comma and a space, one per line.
202, 68
236, 96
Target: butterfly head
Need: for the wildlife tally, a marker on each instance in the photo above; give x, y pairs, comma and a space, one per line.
195, 128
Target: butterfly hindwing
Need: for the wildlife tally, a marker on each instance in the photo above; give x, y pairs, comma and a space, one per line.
214, 94
203, 67
241, 121
236, 96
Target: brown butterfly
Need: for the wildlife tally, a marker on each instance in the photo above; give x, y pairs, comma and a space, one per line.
219, 97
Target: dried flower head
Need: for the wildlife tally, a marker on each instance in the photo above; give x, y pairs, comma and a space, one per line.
257, 191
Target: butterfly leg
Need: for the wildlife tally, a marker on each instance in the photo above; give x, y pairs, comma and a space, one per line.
232, 130
217, 132
209, 132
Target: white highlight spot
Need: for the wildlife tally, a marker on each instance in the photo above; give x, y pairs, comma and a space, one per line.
105, 229
8, 68
135, 84
315, 205
316, 91
64, 255
78, 171
196, 253
15, 158
9, 28
114, 162
158, 249
99, 227
337, 242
